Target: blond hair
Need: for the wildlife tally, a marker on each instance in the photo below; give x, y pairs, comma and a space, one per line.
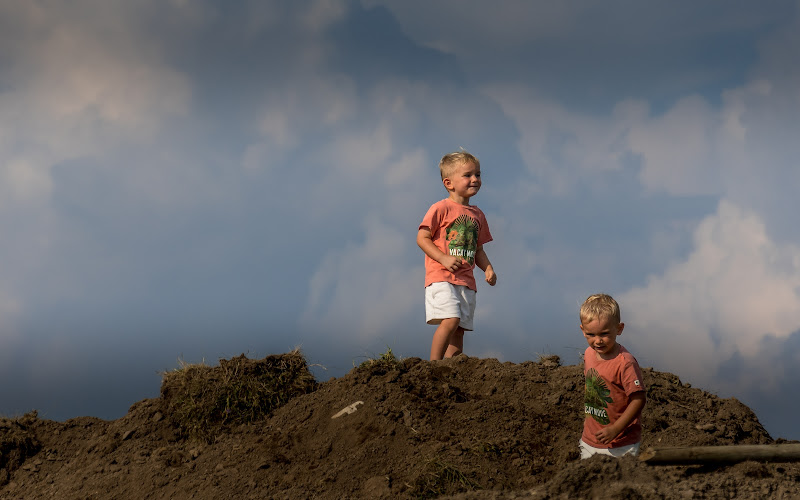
450, 161
599, 305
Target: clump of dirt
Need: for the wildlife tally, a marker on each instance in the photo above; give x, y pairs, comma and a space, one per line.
464, 428
201, 401
17, 443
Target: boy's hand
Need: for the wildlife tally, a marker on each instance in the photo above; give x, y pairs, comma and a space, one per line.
635, 405
452, 263
449, 262
606, 434
491, 278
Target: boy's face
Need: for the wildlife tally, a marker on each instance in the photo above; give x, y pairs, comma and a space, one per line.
464, 181
601, 334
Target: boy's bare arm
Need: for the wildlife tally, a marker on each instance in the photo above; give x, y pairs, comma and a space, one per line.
425, 242
609, 432
482, 261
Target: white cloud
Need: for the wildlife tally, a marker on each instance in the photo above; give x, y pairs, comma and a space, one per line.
560, 146
68, 92
736, 287
75, 92
24, 179
361, 143
408, 169
358, 154
365, 288
310, 105
76, 72
735, 108
677, 149
402, 202
681, 152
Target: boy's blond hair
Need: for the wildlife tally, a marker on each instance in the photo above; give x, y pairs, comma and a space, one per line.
599, 305
451, 160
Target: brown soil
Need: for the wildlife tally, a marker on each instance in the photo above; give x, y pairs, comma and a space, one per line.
465, 428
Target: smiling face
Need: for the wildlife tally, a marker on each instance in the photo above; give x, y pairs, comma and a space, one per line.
601, 334
463, 182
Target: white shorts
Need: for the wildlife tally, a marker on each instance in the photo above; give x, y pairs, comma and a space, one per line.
444, 300
587, 451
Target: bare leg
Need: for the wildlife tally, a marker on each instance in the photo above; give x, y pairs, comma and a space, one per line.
455, 343
442, 336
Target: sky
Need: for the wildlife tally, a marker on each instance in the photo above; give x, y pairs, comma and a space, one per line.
189, 180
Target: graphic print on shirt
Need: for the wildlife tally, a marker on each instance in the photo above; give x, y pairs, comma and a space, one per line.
596, 397
462, 238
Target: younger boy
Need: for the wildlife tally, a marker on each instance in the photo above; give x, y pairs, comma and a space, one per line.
614, 394
452, 235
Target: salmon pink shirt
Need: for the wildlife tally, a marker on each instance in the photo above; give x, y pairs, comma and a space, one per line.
609, 384
457, 230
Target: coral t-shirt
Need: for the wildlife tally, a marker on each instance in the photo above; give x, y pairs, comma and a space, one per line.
609, 385
458, 230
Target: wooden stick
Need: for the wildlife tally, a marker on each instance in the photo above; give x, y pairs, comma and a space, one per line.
721, 454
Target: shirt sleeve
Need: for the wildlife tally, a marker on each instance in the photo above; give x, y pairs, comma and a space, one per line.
484, 236
432, 220
632, 377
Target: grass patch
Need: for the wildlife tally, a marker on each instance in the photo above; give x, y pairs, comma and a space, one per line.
442, 478
202, 400
386, 361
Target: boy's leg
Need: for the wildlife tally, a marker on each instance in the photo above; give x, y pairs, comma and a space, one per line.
455, 343
441, 337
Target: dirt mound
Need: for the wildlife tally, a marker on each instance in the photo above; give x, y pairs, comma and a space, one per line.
202, 401
464, 428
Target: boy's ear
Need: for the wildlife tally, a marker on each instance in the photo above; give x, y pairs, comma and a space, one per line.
581, 325
620, 327
448, 184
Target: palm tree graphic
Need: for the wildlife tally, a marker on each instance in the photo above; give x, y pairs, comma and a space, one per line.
597, 396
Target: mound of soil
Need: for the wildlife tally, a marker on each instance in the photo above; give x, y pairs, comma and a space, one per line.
464, 428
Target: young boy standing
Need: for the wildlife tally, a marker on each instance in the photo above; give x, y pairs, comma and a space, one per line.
615, 393
452, 235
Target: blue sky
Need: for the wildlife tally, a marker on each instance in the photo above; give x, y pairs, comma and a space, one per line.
199, 179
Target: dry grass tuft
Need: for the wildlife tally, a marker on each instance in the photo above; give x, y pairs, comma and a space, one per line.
202, 400
443, 478
385, 362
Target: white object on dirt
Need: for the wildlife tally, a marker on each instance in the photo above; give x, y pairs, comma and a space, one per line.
347, 410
